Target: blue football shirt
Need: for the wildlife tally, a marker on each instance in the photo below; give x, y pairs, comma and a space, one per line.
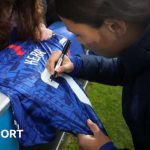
40, 106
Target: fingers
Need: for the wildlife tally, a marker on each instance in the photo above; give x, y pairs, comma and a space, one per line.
46, 34
52, 60
88, 142
93, 127
85, 141
98, 134
66, 67
83, 136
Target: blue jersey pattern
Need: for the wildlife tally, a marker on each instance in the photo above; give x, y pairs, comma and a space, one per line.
40, 106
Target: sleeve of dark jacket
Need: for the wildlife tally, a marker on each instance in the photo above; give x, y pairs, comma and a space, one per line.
99, 69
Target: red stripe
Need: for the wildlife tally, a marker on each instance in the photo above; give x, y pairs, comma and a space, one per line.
17, 49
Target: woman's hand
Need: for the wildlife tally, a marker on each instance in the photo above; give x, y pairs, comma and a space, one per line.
45, 32
95, 142
66, 67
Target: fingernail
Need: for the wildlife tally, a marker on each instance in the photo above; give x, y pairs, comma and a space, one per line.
51, 73
58, 70
89, 121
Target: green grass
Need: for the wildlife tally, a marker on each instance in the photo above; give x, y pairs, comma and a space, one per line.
106, 101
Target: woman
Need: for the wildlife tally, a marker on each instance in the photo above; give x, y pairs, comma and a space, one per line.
118, 29
22, 20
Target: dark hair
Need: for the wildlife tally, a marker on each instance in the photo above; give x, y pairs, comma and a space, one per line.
5, 15
28, 16
94, 12
51, 15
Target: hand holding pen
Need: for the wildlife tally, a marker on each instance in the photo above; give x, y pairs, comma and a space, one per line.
59, 63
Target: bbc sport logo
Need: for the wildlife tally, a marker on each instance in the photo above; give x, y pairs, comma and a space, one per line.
11, 133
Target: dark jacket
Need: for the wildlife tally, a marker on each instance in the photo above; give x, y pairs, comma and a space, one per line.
132, 71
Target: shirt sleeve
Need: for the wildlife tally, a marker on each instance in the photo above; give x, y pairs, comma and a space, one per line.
108, 146
77, 62
98, 69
